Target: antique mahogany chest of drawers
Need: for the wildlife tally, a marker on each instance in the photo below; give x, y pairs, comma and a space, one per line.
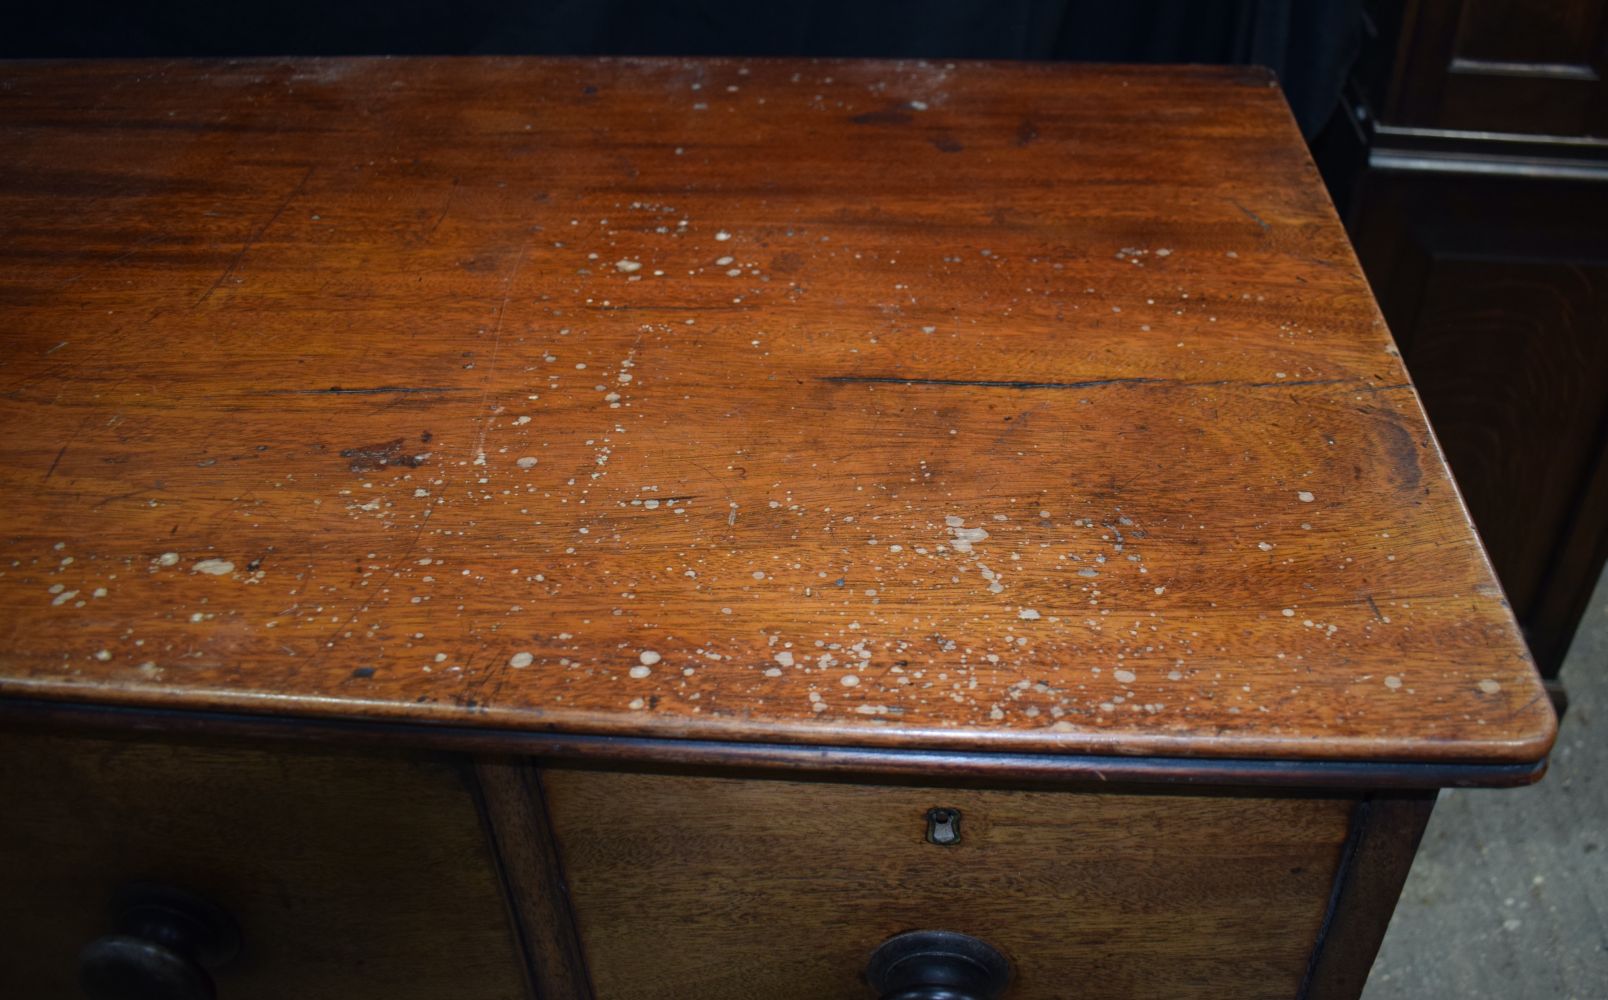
632, 529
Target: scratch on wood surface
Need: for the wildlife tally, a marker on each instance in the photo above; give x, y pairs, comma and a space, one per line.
496, 342
251, 240
1374, 606
1251, 215
372, 390
990, 383
1293, 382
55, 462
1095, 383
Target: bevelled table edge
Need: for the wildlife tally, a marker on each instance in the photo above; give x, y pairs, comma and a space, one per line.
1408, 748
784, 759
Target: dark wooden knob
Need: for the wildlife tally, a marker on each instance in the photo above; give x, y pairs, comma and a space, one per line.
937, 965
164, 946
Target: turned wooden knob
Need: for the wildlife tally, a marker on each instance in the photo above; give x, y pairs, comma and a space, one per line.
937, 965
164, 946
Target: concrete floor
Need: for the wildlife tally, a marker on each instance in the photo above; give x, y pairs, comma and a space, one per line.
1508, 897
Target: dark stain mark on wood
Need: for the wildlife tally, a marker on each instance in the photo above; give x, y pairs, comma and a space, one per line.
483, 264
787, 262
946, 144
363, 673
887, 117
1026, 133
1404, 453
370, 457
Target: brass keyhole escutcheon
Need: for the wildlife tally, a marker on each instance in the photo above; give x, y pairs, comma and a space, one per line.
943, 826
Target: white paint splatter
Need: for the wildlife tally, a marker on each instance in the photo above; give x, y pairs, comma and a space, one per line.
640, 671
1028, 614
965, 538
1305, 497
213, 567
628, 266
519, 660
649, 657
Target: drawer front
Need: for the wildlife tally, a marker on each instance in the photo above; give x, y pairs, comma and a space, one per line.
348, 876
731, 889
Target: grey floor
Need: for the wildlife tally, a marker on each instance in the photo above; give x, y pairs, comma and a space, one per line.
1508, 897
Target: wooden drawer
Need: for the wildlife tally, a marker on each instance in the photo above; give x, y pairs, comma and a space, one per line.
734, 888
349, 875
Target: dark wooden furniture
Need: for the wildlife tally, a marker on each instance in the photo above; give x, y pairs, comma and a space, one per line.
1471, 167
644, 529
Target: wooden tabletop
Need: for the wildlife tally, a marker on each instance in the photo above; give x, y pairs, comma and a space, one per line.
926, 405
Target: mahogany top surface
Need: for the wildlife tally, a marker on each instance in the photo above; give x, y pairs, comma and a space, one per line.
1007, 407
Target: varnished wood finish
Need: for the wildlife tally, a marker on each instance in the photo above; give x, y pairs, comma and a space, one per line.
722, 888
1502, 295
350, 875
870, 763
1385, 834
533, 877
1485, 244
280, 335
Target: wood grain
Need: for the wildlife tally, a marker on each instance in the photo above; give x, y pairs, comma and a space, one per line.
1386, 831
1498, 295
726, 888
869, 763
351, 875
460, 390
533, 878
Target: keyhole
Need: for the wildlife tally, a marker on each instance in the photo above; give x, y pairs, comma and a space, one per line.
943, 827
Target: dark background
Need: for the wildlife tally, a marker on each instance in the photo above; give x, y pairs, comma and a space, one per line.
1310, 44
